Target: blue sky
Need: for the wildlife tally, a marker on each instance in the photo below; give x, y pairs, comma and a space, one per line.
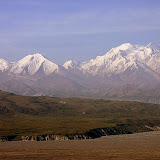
75, 29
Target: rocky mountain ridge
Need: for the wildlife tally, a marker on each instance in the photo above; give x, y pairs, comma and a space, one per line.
127, 64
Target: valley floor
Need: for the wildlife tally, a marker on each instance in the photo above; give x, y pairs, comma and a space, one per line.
139, 146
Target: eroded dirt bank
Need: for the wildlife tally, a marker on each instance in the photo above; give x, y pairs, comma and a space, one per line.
91, 134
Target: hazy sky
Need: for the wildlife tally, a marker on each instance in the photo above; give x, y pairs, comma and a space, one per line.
75, 29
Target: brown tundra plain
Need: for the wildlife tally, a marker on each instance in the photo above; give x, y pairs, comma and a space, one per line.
139, 146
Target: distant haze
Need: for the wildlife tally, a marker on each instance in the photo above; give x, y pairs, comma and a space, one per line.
128, 72
75, 29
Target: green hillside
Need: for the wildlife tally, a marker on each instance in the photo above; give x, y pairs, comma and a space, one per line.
21, 115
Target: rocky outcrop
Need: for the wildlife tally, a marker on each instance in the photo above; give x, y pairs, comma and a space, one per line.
153, 128
54, 137
92, 134
9, 138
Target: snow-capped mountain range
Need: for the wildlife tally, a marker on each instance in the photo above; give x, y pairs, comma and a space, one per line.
30, 65
116, 61
125, 64
119, 59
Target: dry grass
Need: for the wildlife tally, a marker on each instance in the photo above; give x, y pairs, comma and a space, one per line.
21, 115
141, 146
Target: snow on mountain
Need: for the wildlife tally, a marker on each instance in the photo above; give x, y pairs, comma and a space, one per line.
70, 65
31, 64
154, 47
116, 61
136, 65
4, 65
119, 59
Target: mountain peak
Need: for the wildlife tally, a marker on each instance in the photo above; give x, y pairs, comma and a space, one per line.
2, 60
31, 64
125, 46
4, 65
153, 46
37, 55
124, 58
150, 44
71, 64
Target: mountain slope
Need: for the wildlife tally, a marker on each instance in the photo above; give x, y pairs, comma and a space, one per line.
31, 64
33, 116
125, 58
144, 93
105, 76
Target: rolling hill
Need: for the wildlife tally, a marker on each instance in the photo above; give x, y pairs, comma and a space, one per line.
34, 116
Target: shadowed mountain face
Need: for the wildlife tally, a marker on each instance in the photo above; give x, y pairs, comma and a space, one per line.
125, 72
